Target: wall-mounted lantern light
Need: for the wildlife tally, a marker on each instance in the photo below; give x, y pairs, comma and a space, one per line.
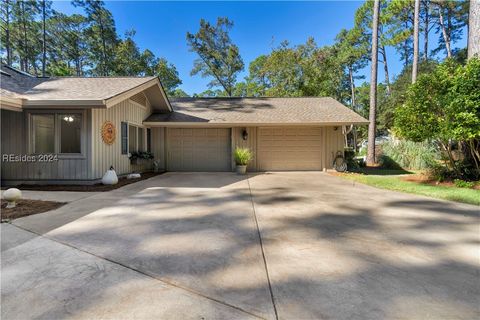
245, 134
335, 128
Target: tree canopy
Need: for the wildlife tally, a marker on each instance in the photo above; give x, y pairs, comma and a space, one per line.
78, 44
219, 58
444, 105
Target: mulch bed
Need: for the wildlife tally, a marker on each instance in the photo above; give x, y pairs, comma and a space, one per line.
424, 179
89, 188
26, 208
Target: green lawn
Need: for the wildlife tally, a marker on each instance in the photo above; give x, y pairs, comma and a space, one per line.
390, 180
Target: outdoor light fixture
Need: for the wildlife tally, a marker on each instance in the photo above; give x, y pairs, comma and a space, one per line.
245, 134
335, 128
68, 118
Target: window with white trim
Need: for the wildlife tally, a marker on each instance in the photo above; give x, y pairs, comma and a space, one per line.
133, 138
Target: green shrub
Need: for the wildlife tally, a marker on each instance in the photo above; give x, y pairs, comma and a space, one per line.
388, 163
409, 155
463, 184
242, 156
141, 155
439, 173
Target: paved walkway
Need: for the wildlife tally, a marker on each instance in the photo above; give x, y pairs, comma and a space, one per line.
280, 245
57, 196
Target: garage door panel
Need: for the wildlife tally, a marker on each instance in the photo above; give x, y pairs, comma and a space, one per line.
290, 148
198, 149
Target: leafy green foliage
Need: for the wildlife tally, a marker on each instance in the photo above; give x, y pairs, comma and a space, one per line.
242, 156
219, 58
101, 35
303, 70
141, 155
454, 14
400, 28
179, 93
444, 106
78, 44
463, 184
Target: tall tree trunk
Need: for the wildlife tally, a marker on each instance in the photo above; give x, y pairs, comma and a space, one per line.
474, 29
8, 45
77, 66
44, 44
426, 30
416, 25
352, 88
406, 48
25, 45
446, 38
35, 68
383, 52
353, 104
373, 87
104, 43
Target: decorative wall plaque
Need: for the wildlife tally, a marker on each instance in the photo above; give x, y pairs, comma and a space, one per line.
108, 132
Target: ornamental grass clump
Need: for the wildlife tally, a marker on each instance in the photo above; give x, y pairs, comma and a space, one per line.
411, 155
242, 156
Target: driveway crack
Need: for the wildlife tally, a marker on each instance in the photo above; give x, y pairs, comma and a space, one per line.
147, 274
262, 248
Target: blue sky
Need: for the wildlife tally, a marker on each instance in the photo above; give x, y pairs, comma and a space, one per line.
259, 27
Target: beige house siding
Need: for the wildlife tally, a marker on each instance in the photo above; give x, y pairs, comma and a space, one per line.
158, 145
250, 143
104, 155
15, 141
334, 142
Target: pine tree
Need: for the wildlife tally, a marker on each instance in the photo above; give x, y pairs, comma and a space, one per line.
373, 86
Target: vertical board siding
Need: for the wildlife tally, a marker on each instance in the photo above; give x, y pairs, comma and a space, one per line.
158, 145
103, 155
250, 143
334, 143
14, 141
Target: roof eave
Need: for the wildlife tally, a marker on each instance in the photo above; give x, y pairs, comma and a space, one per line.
12, 104
247, 124
65, 103
113, 100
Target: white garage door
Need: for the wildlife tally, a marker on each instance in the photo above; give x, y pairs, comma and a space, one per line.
198, 149
287, 148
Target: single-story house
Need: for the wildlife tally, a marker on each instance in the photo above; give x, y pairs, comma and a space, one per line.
72, 129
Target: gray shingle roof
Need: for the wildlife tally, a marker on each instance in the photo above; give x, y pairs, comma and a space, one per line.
19, 85
258, 110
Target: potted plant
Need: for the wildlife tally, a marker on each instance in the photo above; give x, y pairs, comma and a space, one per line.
242, 157
137, 157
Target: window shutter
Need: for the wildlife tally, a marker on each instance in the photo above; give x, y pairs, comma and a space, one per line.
149, 140
124, 138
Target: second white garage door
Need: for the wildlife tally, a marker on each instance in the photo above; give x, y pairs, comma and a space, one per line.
198, 149
285, 148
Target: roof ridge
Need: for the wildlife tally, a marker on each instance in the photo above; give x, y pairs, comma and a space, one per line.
102, 77
226, 98
18, 71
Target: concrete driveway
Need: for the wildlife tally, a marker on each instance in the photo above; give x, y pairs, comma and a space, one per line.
275, 245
